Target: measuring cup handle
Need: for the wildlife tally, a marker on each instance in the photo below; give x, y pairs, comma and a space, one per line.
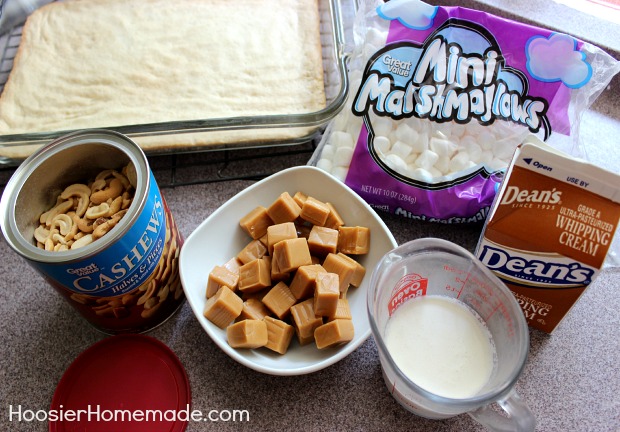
520, 417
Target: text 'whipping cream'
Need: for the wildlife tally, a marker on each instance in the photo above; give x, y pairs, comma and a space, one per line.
549, 230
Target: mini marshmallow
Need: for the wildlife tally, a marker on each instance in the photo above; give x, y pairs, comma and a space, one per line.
421, 144
458, 130
421, 126
343, 156
354, 128
328, 151
473, 149
382, 144
396, 163
341, 139
459, 161
406, 133
382, 126
325, 164
443, 165
444, 128
401, 149
442, 147
427, 159
392, 136
486, 157
411, 159
486, 140
468, 140
341, 121
502, 150
421, 174
340, 173
435, 173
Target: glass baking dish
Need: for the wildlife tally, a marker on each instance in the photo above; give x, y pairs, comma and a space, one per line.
211, 134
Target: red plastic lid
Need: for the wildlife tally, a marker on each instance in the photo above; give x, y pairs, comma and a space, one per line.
126, 382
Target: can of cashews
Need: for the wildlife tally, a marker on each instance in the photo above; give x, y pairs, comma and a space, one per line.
86, 212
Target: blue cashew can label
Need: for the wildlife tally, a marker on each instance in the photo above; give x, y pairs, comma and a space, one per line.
124, 275
124, 265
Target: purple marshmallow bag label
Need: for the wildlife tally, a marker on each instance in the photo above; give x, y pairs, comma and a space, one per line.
440, 97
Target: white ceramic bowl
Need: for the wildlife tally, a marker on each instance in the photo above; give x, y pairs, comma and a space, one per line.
220, 238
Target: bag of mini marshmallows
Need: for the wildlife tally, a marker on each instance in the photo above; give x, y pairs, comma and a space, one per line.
441, 96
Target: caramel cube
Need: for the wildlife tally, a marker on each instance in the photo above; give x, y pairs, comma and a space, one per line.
334, 220
322, 241
314, 211
279, 232
333, 333
233, 265
254, 276
255, 223
292, 254
279, 335
276, 274
358, 274
300, 198
279, 300
344, 268
343, 311
220, 276
303, 340
247, 334
284, 209
305, 320
354, 240
254, 309
223, 307
252, 251
326, 294
303, 283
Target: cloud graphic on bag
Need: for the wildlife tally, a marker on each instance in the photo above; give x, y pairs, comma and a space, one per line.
414, 14
556, 59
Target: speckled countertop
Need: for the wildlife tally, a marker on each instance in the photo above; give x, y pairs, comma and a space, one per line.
571, 380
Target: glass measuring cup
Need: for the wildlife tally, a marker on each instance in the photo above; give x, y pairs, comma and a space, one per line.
437, 267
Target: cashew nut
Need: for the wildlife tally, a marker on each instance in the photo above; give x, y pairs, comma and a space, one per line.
115, 206
124, 180
83, 225
64, 223
58, 239
98, 185
114, 189
62, 207
126, 200
82, 241
80, 191
97, 211
83, 213
131, 174
102, 229
41, 234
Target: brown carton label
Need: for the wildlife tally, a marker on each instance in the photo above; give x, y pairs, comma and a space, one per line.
549, 231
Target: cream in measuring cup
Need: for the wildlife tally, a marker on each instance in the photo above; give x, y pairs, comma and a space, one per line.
442, 345
549, 230
451, 337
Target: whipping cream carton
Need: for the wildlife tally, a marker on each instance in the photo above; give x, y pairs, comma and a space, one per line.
549, 230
